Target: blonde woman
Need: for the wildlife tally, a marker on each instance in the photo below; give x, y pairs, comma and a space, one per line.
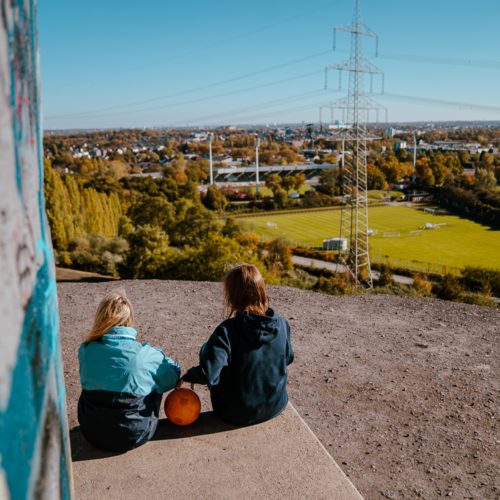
122, 379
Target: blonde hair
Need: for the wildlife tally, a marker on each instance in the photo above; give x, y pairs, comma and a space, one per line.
245, 291
114, 310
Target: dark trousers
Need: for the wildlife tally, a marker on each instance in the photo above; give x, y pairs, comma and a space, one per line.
118, 421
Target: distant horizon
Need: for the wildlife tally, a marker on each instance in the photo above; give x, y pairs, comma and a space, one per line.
470, 123
115, 64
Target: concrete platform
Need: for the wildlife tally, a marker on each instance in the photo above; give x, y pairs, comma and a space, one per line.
281, 458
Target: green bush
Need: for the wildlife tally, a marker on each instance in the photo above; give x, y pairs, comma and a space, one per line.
298, 278
385, 277
339, 285
315, 253
95, 254
449, 288
395, 289
477, 279
478, 299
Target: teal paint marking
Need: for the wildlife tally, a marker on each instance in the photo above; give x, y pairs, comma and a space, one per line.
22, 421
35, 414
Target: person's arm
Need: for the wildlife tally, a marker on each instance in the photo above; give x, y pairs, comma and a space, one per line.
164, 370
195, 374
289, 351
214, 356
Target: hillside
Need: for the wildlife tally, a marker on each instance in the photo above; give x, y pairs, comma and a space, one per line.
403, 392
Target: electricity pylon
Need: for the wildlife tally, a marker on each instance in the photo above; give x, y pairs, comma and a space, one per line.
355, 109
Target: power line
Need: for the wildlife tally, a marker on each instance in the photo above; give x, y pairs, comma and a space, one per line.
267, 104
223, 41
314, 105
411, 58
193, 90
446, 61
246, 117
242, 113
216, 96
440, 60
441, 102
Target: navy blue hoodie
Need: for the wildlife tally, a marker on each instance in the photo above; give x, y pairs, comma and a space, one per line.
244, 364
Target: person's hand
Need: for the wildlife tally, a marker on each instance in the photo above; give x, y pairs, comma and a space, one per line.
180, 382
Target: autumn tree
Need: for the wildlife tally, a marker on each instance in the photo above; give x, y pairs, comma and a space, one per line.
273, 181
330, 181
424, 174
210, 260
293, 181
194, 223
394, 170
149, 252
485, 178
214, 199
440, 171
279, 257
154, 211
231, 228
376, 179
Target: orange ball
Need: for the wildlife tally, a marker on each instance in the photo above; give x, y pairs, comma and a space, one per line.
182, 406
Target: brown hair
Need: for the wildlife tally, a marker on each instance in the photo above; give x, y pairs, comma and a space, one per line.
245, 291
114, 310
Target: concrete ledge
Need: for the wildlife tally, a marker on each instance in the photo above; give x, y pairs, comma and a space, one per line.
281, 458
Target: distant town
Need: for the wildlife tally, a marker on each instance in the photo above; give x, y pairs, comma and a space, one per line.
306, 148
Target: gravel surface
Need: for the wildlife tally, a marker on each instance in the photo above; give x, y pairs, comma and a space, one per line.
403, 392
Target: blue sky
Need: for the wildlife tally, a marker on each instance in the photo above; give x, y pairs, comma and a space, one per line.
123, 63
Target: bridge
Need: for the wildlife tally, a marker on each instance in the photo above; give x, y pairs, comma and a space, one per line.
247, 174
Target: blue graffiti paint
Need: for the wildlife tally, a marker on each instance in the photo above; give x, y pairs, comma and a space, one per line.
21, 420
37, 393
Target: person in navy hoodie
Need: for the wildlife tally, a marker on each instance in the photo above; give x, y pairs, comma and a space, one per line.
244, 362
122, 379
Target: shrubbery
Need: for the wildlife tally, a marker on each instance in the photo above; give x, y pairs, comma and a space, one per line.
95, 254
422, 285
340, 284
477, 299
315, 253
449, 288
386, 276
478, 279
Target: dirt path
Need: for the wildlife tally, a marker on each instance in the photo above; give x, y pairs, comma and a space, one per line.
331, 266
403, 392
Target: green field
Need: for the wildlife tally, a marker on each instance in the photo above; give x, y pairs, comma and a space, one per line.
400, 238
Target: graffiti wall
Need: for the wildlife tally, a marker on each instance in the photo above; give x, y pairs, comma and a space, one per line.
34, 450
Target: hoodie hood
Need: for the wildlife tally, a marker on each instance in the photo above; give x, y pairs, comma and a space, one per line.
261, 328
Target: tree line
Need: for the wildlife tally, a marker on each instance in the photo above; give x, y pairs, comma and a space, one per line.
149, 228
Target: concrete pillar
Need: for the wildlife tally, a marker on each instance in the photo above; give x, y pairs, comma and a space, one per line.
34, 449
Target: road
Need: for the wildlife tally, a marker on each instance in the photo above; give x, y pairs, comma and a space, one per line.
339, 268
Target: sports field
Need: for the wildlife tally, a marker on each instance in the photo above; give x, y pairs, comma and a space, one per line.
400, 238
